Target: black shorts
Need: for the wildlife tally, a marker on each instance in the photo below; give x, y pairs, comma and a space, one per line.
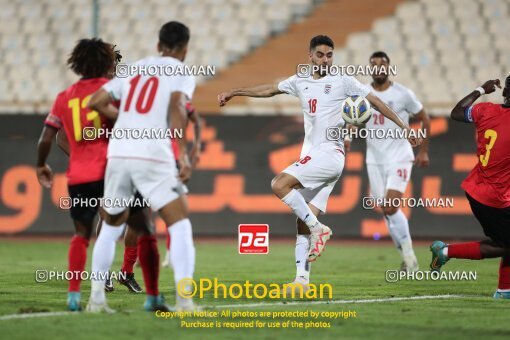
87, 192
92, 192
495, 221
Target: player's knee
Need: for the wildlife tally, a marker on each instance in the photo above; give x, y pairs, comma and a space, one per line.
278, 187
117, 219
390, 210
83, 229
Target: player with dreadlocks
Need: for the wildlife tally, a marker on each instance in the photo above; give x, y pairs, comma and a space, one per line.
95, 61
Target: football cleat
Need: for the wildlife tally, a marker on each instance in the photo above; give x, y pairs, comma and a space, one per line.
296, 287
93, 307
73, 301
318, 242
501, 295
411, 263
156, 303
130, 283
186, 305
108, 284
438, 258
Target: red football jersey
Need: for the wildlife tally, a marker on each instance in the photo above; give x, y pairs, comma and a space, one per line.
489, 181
87, 161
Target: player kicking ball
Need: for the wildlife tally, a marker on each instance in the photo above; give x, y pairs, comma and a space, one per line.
148, 102
305, 186
390, 160
487, 186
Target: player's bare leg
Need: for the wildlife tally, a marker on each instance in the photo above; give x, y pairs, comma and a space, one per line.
182, 249
301, 253
284, 187
77, 259
398, 226
102, 258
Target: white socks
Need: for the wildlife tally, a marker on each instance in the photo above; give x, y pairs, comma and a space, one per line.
102, 258
182, 250
302, 264
398, 227
301, 209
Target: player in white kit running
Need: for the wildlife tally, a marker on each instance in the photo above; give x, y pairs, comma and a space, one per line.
305, 186
390, 160
150, 103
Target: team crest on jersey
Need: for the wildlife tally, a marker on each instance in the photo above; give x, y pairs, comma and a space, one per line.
327, 88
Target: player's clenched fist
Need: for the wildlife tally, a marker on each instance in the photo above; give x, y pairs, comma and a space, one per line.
224, 97
490, 85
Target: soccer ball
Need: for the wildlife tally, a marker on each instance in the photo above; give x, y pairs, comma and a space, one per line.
356, 110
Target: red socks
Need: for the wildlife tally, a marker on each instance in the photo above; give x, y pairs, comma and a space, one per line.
77, 258
469, 250
148, 255
130, 255
504, 274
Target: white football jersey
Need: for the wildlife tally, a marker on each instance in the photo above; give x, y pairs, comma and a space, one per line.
321, 101
390, 150
144, 102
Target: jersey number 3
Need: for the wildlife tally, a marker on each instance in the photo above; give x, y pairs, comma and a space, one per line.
491, 135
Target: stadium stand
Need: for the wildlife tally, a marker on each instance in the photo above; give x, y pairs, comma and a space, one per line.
253, 42
34, 49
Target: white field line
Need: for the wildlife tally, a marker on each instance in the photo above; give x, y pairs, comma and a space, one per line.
263, 304
339, 302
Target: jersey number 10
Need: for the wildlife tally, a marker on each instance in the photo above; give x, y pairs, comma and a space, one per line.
145, 97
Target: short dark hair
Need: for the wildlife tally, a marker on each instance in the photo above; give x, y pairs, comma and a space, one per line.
93, 58
321, 40
507, 82
174, 34
380, 54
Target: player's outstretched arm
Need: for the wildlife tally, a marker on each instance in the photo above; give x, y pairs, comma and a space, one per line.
44, 173
458, 111
101, 102
258, 91
391, 115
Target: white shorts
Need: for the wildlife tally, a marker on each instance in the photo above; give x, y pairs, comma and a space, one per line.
157, 182
384, 177
318, 173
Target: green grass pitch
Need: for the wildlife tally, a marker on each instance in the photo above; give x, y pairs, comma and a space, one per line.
355, 270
